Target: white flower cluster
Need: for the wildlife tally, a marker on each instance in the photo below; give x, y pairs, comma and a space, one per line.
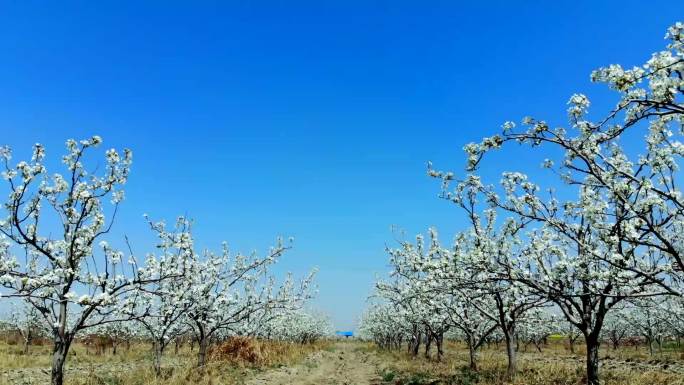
462, 290
618, 235
78, 285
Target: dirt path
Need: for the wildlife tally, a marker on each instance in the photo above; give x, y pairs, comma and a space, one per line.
344, 364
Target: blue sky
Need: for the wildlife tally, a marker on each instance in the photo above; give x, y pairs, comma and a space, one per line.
304, 119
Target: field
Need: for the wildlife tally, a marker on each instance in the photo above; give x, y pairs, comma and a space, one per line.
339, 362
133, 364
552, 252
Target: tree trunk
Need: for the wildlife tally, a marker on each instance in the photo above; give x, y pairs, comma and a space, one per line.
473, 354
158, 351
428, 344
416, 344
59, 353
650, 346
440, 346
27, 343
202, 353
60, 348
592, 359
510, 351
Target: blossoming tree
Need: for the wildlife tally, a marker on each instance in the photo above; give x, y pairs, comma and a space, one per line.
56, 221
27, 321
161, 306
622, 237
228, 290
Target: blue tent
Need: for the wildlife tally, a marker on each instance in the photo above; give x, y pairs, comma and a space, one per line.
345, 334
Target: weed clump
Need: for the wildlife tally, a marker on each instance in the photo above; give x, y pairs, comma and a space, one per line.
238, 350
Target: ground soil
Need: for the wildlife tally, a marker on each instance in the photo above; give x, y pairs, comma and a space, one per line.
343, 364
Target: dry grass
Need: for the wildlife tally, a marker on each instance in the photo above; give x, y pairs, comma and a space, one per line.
12, 356
249, 352
554, 366
238, 359
133, 366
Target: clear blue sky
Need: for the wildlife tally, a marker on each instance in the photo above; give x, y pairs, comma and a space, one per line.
300, 118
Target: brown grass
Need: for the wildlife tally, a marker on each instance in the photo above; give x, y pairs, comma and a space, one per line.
235, 360
229, 364
250, 352
554, 366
